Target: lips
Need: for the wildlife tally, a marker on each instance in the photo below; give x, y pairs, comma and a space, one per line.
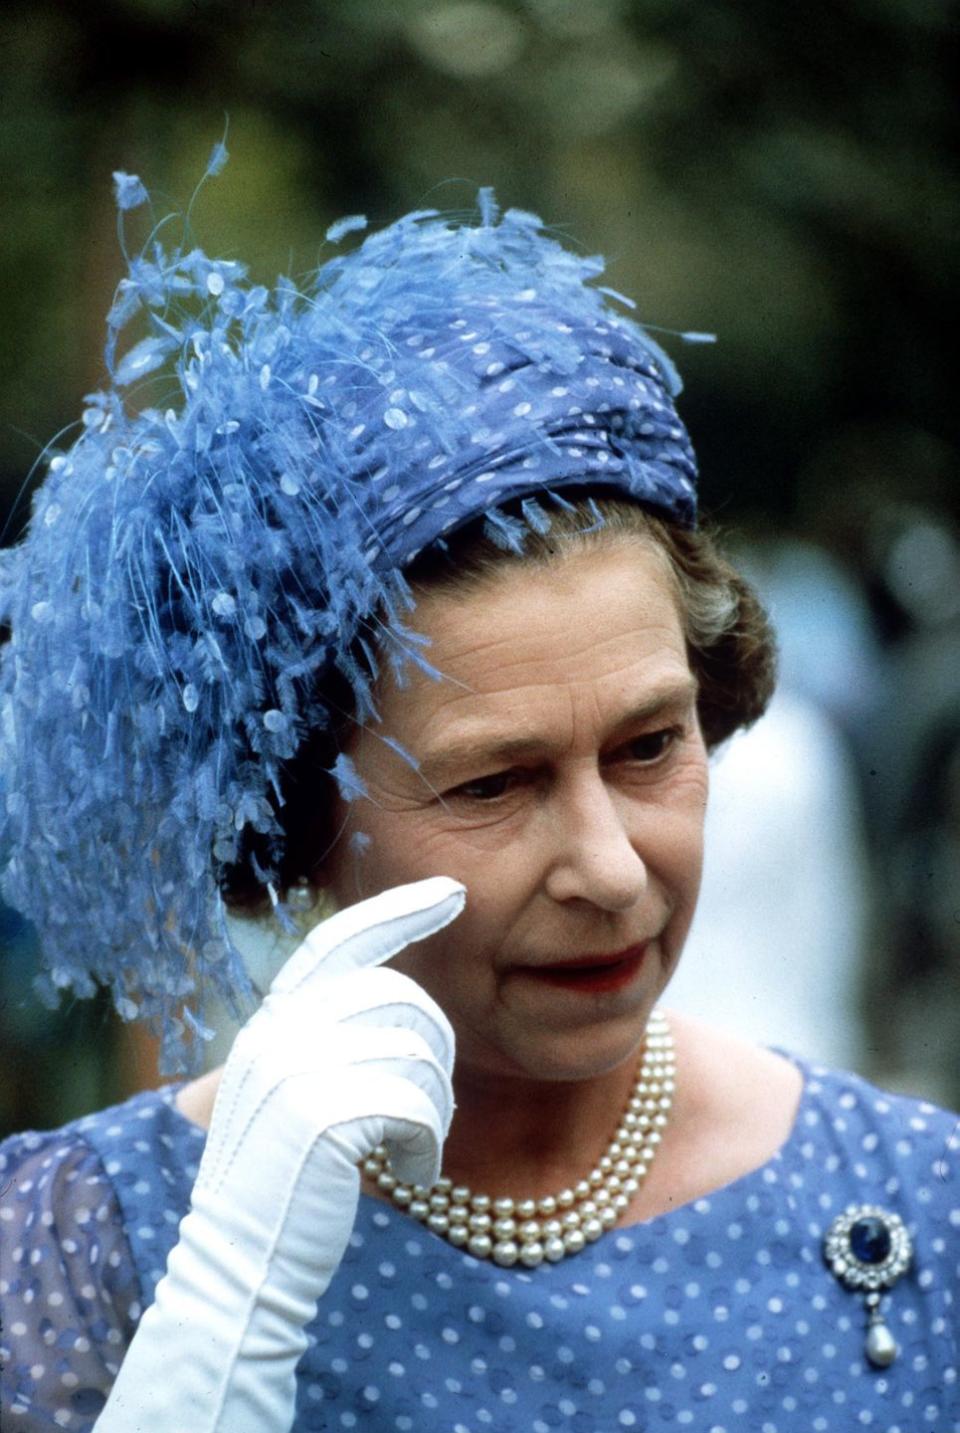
591, 974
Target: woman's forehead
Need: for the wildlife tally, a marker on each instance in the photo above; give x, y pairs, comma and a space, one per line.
601, 629
525, 612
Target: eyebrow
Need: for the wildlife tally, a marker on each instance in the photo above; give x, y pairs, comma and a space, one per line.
476, 748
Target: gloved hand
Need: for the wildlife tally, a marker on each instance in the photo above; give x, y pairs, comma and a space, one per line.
340, 1057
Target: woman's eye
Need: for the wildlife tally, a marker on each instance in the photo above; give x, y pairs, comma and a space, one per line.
652, 745
485, 788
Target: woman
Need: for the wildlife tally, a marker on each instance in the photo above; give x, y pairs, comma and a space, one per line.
402, 601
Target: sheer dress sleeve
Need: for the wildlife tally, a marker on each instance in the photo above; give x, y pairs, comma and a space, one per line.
69, 1290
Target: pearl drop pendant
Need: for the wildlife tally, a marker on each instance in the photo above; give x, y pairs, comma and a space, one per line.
530, 1232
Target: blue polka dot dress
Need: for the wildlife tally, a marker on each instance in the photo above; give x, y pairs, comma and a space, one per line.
718, 1317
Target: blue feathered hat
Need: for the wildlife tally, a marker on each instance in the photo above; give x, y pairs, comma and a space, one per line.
193, 568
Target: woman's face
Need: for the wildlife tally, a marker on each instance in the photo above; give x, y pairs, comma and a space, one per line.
563, 779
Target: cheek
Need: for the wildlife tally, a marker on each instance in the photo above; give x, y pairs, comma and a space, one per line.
684, 811
457, 967
681, 871
459, 963
683, 852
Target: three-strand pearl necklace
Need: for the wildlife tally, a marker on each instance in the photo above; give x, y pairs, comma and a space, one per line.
529, 1231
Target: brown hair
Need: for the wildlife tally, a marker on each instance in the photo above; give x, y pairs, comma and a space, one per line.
730, 646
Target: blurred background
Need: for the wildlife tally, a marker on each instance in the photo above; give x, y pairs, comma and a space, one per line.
779, 175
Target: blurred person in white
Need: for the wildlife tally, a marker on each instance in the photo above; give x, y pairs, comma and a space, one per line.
783, 936
779, 942
401, 595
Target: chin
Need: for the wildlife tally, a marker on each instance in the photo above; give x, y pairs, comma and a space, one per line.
567, 1056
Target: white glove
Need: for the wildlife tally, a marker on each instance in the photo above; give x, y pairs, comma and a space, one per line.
339, 1058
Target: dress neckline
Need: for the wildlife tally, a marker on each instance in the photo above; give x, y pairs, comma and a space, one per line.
370, 1204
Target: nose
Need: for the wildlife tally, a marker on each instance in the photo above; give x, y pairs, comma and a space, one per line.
593, 857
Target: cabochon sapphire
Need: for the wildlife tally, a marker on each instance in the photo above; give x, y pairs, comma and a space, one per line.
870, 1239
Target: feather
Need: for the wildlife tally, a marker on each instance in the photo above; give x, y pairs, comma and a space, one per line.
348, 225
128, 190
349, 782
218, 159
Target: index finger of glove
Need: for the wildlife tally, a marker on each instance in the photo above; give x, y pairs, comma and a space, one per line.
371, 932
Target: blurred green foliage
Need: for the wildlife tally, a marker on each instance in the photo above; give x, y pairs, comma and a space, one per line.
778, 174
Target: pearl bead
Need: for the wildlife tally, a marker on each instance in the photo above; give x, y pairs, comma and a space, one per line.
458, 1235
526, 1208
547, 1205
386, 1181
480, 1246
457, 1215
402, 1196
419, 1208
503, 1207
460, 1194
439, 1223
573, 1241
532, 1254
554, 1250
480, 1202
565, 1199
592, 1229
504, 1228
505, 1253
480, 1223
301, 897
530, 1229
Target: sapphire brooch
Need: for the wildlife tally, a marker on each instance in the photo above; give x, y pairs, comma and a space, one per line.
868, 1249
